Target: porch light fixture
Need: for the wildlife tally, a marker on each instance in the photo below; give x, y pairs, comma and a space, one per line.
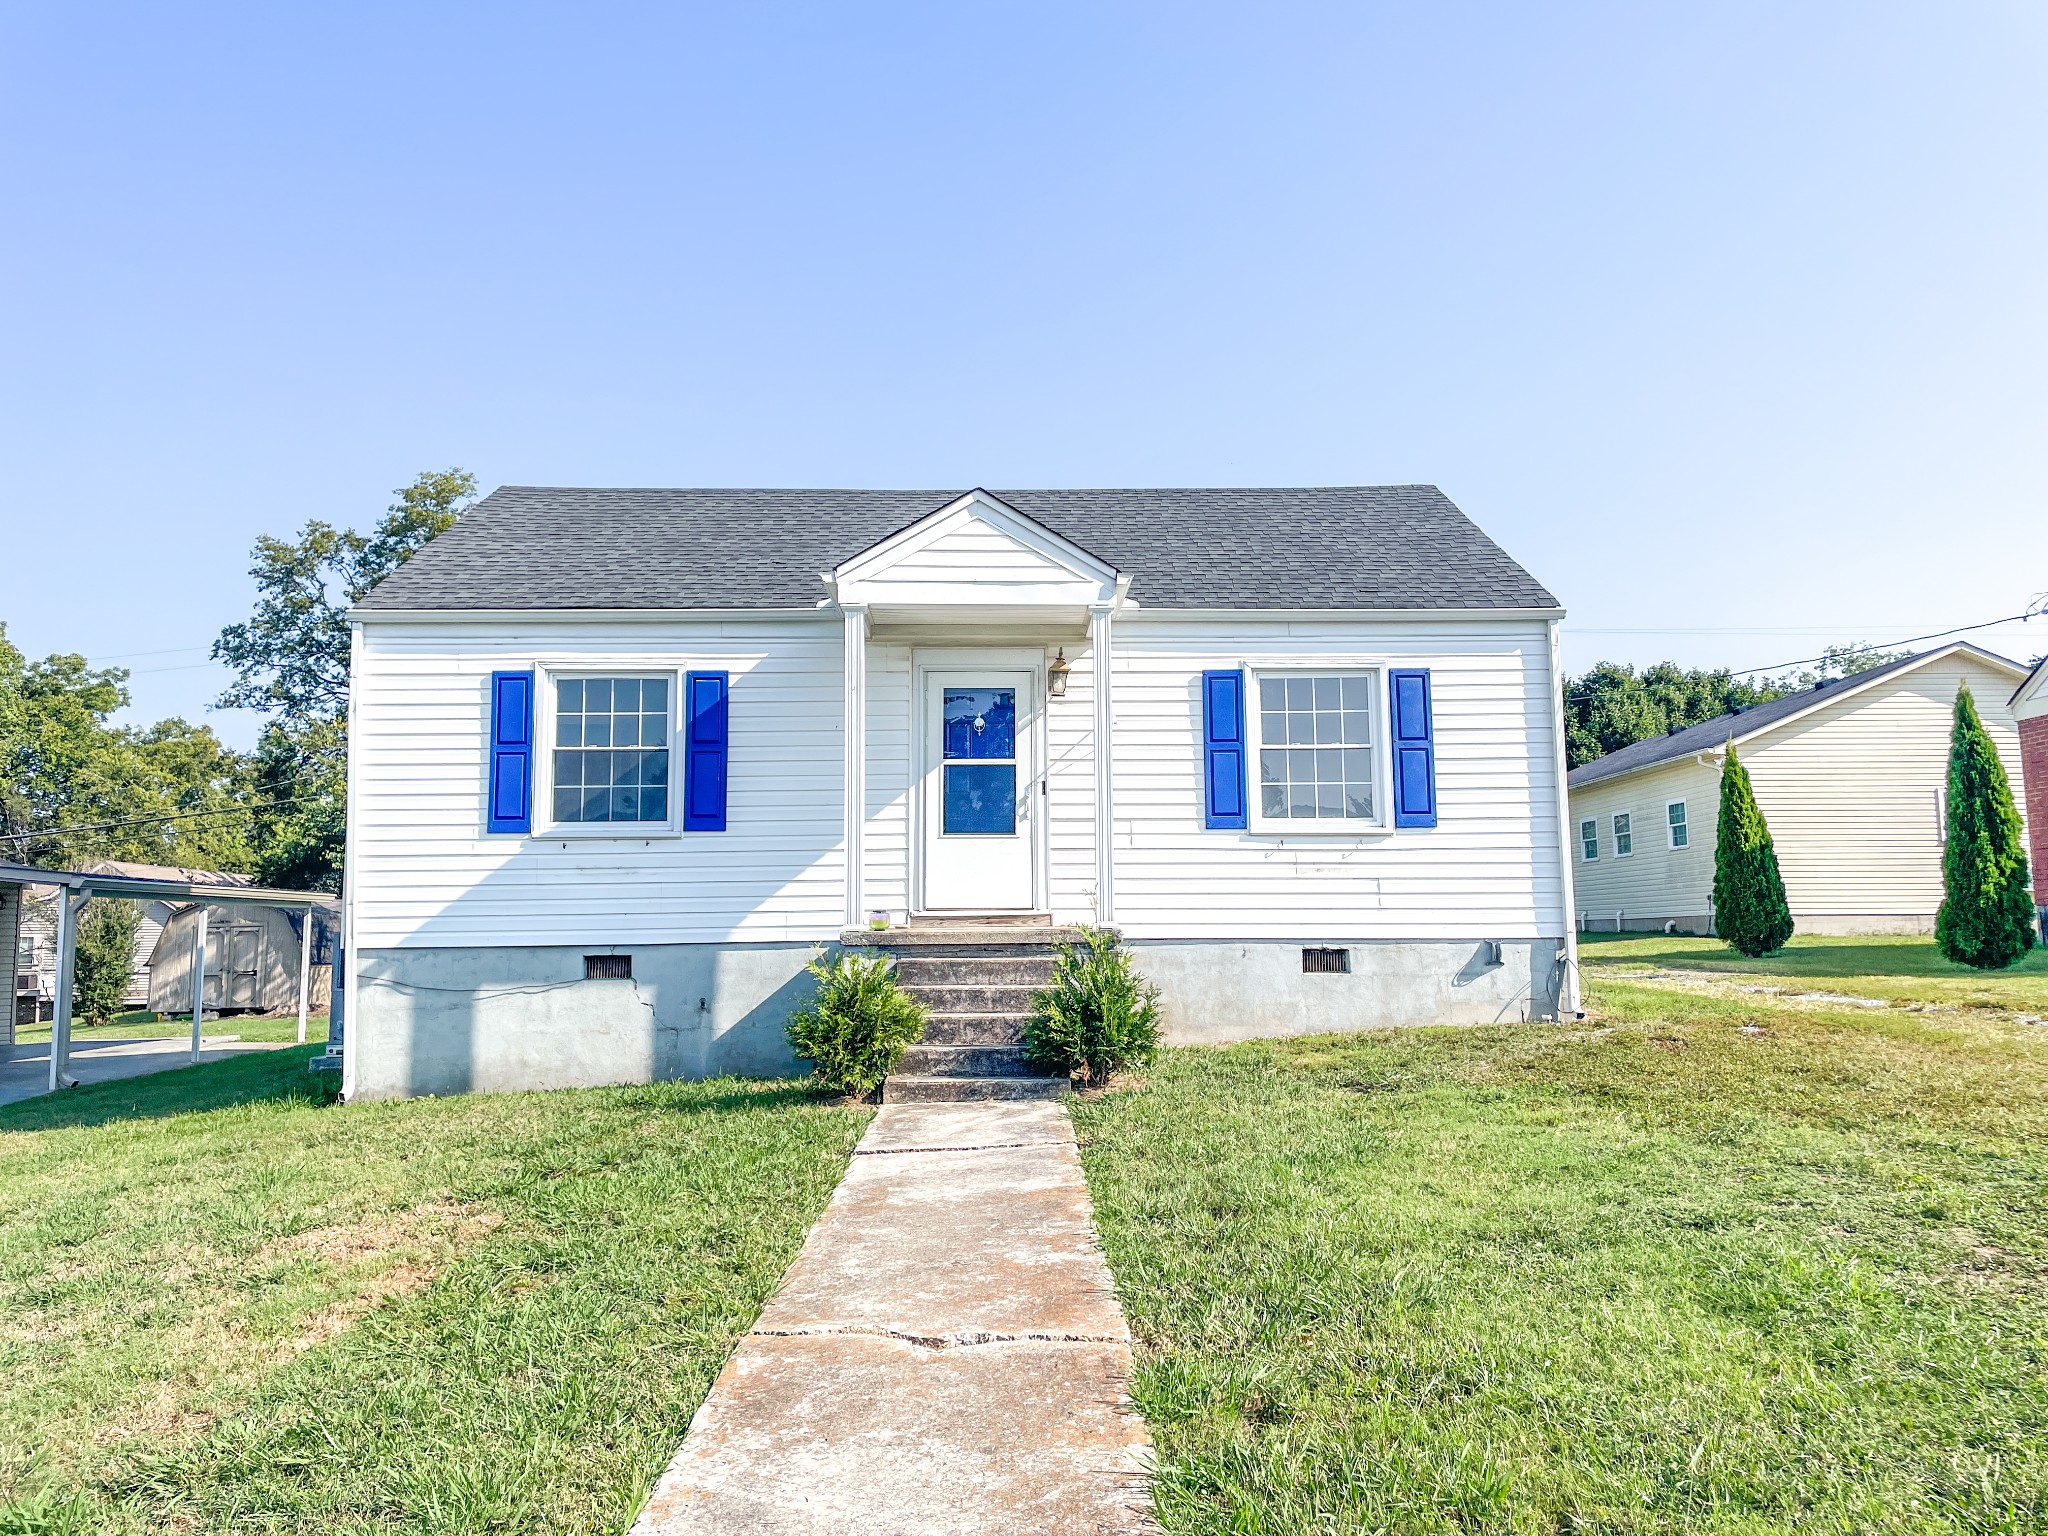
1056, 675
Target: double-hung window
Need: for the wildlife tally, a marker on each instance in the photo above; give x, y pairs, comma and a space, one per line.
1674, 816
1317, 753
1589, 839
1624, 839
611, 749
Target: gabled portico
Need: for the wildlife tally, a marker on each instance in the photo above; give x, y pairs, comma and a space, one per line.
987, 599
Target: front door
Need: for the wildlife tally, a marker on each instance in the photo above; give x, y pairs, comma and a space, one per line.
978, 791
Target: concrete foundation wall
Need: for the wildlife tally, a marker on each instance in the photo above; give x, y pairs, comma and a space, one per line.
500, 1020
507, 1019
1220, 991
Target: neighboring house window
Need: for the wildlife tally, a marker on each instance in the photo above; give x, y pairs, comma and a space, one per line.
1316, 754
1681, 835
1624, 842
611, 749
1589, 839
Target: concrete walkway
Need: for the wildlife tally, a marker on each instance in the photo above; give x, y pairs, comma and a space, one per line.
26, 1071
945, 1358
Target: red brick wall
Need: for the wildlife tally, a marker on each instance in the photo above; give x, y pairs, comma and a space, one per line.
2034, 769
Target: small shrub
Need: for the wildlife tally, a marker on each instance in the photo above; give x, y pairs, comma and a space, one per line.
1097, 1016
854, 1031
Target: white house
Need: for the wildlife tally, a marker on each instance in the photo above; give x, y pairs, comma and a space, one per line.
1850, 776
623, 760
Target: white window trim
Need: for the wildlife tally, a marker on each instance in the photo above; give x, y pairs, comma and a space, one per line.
1619, 851
1382, 822
1670, 833
544, 757
1594, 823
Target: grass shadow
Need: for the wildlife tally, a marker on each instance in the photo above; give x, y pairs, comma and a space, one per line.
258, 1077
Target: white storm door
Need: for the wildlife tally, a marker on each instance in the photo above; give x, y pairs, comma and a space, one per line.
978, 784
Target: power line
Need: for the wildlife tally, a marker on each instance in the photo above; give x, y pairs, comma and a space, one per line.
141, 821
2033, 610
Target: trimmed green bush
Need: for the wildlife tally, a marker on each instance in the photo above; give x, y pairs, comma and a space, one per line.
1987, 915
1097, 1016
103, 958
855, 1029
1750, 910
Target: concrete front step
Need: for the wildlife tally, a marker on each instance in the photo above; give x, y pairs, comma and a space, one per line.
941, 936
972, 997
906, 1089
1024, 973
974, 1029
929, 1060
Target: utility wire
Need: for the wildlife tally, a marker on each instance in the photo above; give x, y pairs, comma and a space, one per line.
140, 821
2034, 610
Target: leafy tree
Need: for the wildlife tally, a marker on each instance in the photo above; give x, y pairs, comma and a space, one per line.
291, 661
291, 657
63, 764
1612, 707
103, 959
1750, 909
1987, 916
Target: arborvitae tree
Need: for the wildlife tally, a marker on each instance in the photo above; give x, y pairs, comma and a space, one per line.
1750, 910
103, 958
1986, 917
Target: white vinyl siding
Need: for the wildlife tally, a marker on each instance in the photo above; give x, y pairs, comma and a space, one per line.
422, 872
1849, 791
1489, 869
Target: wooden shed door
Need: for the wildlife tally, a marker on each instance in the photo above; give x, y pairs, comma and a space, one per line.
238, 968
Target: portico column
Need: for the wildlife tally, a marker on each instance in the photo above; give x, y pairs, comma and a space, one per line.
70, 907
1105, 777
856, 757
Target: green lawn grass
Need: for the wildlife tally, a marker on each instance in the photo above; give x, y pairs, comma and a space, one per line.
1901, 969
1701, 1264
149, 1026
226, 1304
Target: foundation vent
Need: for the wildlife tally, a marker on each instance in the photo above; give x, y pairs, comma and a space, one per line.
1326, 962
607, 967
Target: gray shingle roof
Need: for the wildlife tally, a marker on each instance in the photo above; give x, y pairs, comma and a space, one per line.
1747, 722
540, 547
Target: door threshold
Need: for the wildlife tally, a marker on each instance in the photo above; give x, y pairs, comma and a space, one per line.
981, 919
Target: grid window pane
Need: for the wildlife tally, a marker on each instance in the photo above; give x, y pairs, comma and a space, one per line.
1681, 834
1315, 758
1589, 839
1624, 840
611, 749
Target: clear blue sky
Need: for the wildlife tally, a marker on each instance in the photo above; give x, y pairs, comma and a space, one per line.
1731, 322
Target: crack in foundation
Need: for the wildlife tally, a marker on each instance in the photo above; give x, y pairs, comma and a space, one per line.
963, 1340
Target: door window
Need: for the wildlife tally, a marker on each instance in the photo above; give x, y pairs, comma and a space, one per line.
978, 742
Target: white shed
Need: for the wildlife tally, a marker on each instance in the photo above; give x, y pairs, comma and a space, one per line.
252, 960
1850, 776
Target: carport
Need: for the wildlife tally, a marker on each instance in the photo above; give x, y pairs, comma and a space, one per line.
75, 888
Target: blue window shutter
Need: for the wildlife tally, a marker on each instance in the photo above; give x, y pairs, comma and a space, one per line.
511, 807
1223, 749
1414, 751
704, 733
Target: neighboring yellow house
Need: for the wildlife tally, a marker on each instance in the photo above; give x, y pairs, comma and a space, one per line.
1849, 774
